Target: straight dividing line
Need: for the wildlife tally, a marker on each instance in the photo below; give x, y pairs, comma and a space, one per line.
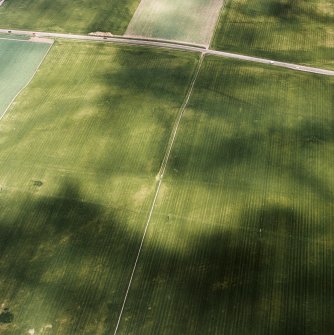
160, 176
177, 123
28, 82
180, 46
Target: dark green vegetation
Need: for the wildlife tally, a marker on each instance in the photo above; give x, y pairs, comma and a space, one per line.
6, 316
241, 241
79, 154
18, 62
75, 16
299, 31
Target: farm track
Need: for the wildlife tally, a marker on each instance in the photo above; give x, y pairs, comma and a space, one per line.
165, 44
160, 178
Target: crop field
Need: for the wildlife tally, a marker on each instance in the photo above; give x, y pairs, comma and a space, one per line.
241, 240
188, 21
80, 150
75, 16
18, 63
298, 31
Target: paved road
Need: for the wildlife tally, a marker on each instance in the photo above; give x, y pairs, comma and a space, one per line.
173, 45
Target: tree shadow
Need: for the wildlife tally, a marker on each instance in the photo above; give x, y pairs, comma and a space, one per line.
264, 276
75, 255
296, 10
242, 281
284, 10
278, 150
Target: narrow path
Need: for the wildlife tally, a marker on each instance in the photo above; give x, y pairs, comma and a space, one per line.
160, 177
165, 44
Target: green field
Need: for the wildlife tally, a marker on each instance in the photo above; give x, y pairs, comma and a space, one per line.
75, 16
299, 31
79, 153
187, 21
241, 241
18, 63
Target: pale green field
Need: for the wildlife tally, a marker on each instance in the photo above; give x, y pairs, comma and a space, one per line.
18, 63
241, 241
298, 31
79, 152
187, 21
11, 36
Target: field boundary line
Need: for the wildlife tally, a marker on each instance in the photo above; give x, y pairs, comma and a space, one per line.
167, 44
28, 82
177, 123
160, 177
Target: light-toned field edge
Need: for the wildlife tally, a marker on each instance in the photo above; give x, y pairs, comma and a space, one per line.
31, 78
166, 44
217, 23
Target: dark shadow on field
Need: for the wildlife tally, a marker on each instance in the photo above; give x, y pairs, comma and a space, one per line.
71, 258
263, 146
294, 10
76, 255
243, 281
285, 10
282, 30
105, 22
147, 88
151, 73
58, 15
288, 11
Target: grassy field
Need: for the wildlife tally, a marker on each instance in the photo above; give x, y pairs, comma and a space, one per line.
75, 16
298, 31
79, 153
18, 63
187, 21
241, 241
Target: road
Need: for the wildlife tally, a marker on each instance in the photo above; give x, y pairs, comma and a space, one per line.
172, 45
